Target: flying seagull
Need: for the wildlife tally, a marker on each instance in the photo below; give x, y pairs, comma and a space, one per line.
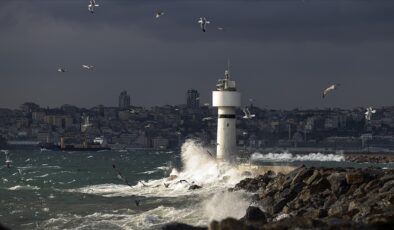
247, 114
61, 70
329, 89
369, 112
7, 159
159, 14
92, 5
88, 67
120, 175
207, 118
203, 23
220, 28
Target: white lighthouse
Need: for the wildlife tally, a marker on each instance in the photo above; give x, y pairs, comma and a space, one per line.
227, 99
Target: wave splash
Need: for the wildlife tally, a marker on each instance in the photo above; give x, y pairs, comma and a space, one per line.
212, 201
289, 157
199, 168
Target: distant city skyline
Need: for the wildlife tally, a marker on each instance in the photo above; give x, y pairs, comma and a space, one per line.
283, 53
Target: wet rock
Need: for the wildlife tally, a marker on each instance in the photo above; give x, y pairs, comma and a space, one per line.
278, 205
337, 209
268, 202
319, 185
294, 223
337, 181
356, 177
387, 186
363, 212
372, 185
382, 220
316, 174
254, 184
386, 178
301, 175
230, 224
285, 196
254, 216
180, 226
194, 187
316, 213
329, 201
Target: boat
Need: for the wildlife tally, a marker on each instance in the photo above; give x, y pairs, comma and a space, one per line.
97, 145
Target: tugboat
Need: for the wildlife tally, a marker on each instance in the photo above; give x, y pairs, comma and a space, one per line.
95, 146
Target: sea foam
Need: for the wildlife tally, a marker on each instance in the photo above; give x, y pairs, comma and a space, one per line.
289, 157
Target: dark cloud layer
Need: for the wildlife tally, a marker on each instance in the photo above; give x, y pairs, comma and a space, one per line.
283, 53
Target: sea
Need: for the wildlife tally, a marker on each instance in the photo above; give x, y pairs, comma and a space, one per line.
130, 189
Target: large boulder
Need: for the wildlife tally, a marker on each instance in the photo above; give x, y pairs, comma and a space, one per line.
387, 186
180, 226
254, 217
230, 224
338, 183
294, 223
338, 209
355, 177
285, 196
316, 213
254, 184
316, 174
302, 175
319, 185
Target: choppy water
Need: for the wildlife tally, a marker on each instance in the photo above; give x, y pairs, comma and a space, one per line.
81, 190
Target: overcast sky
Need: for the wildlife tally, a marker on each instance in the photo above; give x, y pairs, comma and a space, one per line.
283, 52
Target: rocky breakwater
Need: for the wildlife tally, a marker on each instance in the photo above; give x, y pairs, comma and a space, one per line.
317, 198
370, 158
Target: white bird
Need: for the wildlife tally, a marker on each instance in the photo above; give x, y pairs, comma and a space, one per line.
220, 28
203, 23
159, 14
7, 159
92, 5
89, 67
61, 70
247, 114
207, 118
329, 89
369, 112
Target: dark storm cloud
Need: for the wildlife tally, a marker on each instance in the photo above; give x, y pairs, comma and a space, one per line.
283, 52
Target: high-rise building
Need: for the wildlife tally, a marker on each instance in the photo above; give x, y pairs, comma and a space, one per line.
124, 100
193, 99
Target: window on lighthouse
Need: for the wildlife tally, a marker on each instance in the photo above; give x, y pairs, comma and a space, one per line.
228, 124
